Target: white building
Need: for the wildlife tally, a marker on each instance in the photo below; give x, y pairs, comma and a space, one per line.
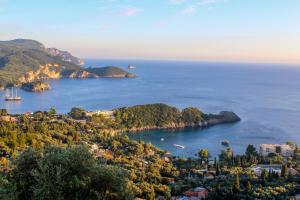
281, 149
106, 113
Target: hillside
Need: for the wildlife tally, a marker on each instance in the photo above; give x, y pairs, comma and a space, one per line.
25, 61
110, 71
19, 57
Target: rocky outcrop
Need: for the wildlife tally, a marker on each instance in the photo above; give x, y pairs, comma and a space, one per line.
130, 75
81, 74
48, 71
37, 86
65, 56
221, 118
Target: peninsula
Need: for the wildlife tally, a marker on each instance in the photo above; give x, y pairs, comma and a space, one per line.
27, 63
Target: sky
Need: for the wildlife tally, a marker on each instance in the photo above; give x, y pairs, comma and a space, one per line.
205, 30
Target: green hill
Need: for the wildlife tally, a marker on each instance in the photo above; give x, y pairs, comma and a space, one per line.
17, 57
26, 61
110, 71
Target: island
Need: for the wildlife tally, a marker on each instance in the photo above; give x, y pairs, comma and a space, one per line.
37, 86
24, 62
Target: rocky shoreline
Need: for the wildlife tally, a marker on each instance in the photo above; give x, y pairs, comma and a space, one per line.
37, 86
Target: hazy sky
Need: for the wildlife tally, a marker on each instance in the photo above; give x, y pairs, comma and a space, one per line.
216, 30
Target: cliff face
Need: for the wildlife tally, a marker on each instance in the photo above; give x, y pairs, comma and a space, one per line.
81, 74
48, 71
37, 86
66, 56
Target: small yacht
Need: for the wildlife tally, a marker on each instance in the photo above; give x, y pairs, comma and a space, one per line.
162, 139
12, 95
178, 146
131, 67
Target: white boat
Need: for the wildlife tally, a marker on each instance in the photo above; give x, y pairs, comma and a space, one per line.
12, 95
162, 139
178, 146
131, 67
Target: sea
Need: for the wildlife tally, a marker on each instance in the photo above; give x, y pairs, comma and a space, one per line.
265, 96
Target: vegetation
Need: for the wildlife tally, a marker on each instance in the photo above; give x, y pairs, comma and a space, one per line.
157, 115
17, 57
109, 71
46, 155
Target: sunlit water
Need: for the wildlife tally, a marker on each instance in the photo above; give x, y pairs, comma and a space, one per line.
266, 97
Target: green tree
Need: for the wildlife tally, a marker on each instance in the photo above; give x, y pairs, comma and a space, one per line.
52, 111
203, 155
23, 180
77, 113
251, 151
237, 186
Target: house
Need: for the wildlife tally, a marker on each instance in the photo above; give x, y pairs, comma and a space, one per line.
280, 149
259, 168
106, 113
196, 193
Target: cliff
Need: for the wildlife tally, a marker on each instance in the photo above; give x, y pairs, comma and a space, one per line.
37, 86
26, 61
221, 118
65, 56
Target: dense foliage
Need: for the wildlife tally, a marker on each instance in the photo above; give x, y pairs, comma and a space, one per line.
157, 115
72, 173
45, 155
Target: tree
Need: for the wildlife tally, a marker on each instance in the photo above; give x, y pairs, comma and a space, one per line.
203, 155
23, 179
70, 173
52, 111
77, 113
218, 171
251, 152
248, 186
226, 156
237, 186
3, 112
284, 170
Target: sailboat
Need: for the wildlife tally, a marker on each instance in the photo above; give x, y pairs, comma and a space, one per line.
12, 95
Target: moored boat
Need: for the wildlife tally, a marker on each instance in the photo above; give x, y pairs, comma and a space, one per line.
178, 146
12, 96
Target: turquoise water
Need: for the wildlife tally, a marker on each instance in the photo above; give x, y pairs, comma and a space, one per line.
266, 97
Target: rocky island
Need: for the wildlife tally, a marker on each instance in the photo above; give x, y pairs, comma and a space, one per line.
37, 86
29, 63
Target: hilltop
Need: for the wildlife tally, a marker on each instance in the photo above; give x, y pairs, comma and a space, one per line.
25, 61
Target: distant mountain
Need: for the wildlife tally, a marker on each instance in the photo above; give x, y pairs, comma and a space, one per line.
22, 60
25, 61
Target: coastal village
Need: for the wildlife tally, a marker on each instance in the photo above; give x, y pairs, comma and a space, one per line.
199, 174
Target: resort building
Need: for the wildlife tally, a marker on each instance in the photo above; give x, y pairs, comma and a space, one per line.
106, 113
280, 149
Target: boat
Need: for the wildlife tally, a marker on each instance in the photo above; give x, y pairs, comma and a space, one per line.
12, 95
131, 67
178, 146
225, 143
162, 139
